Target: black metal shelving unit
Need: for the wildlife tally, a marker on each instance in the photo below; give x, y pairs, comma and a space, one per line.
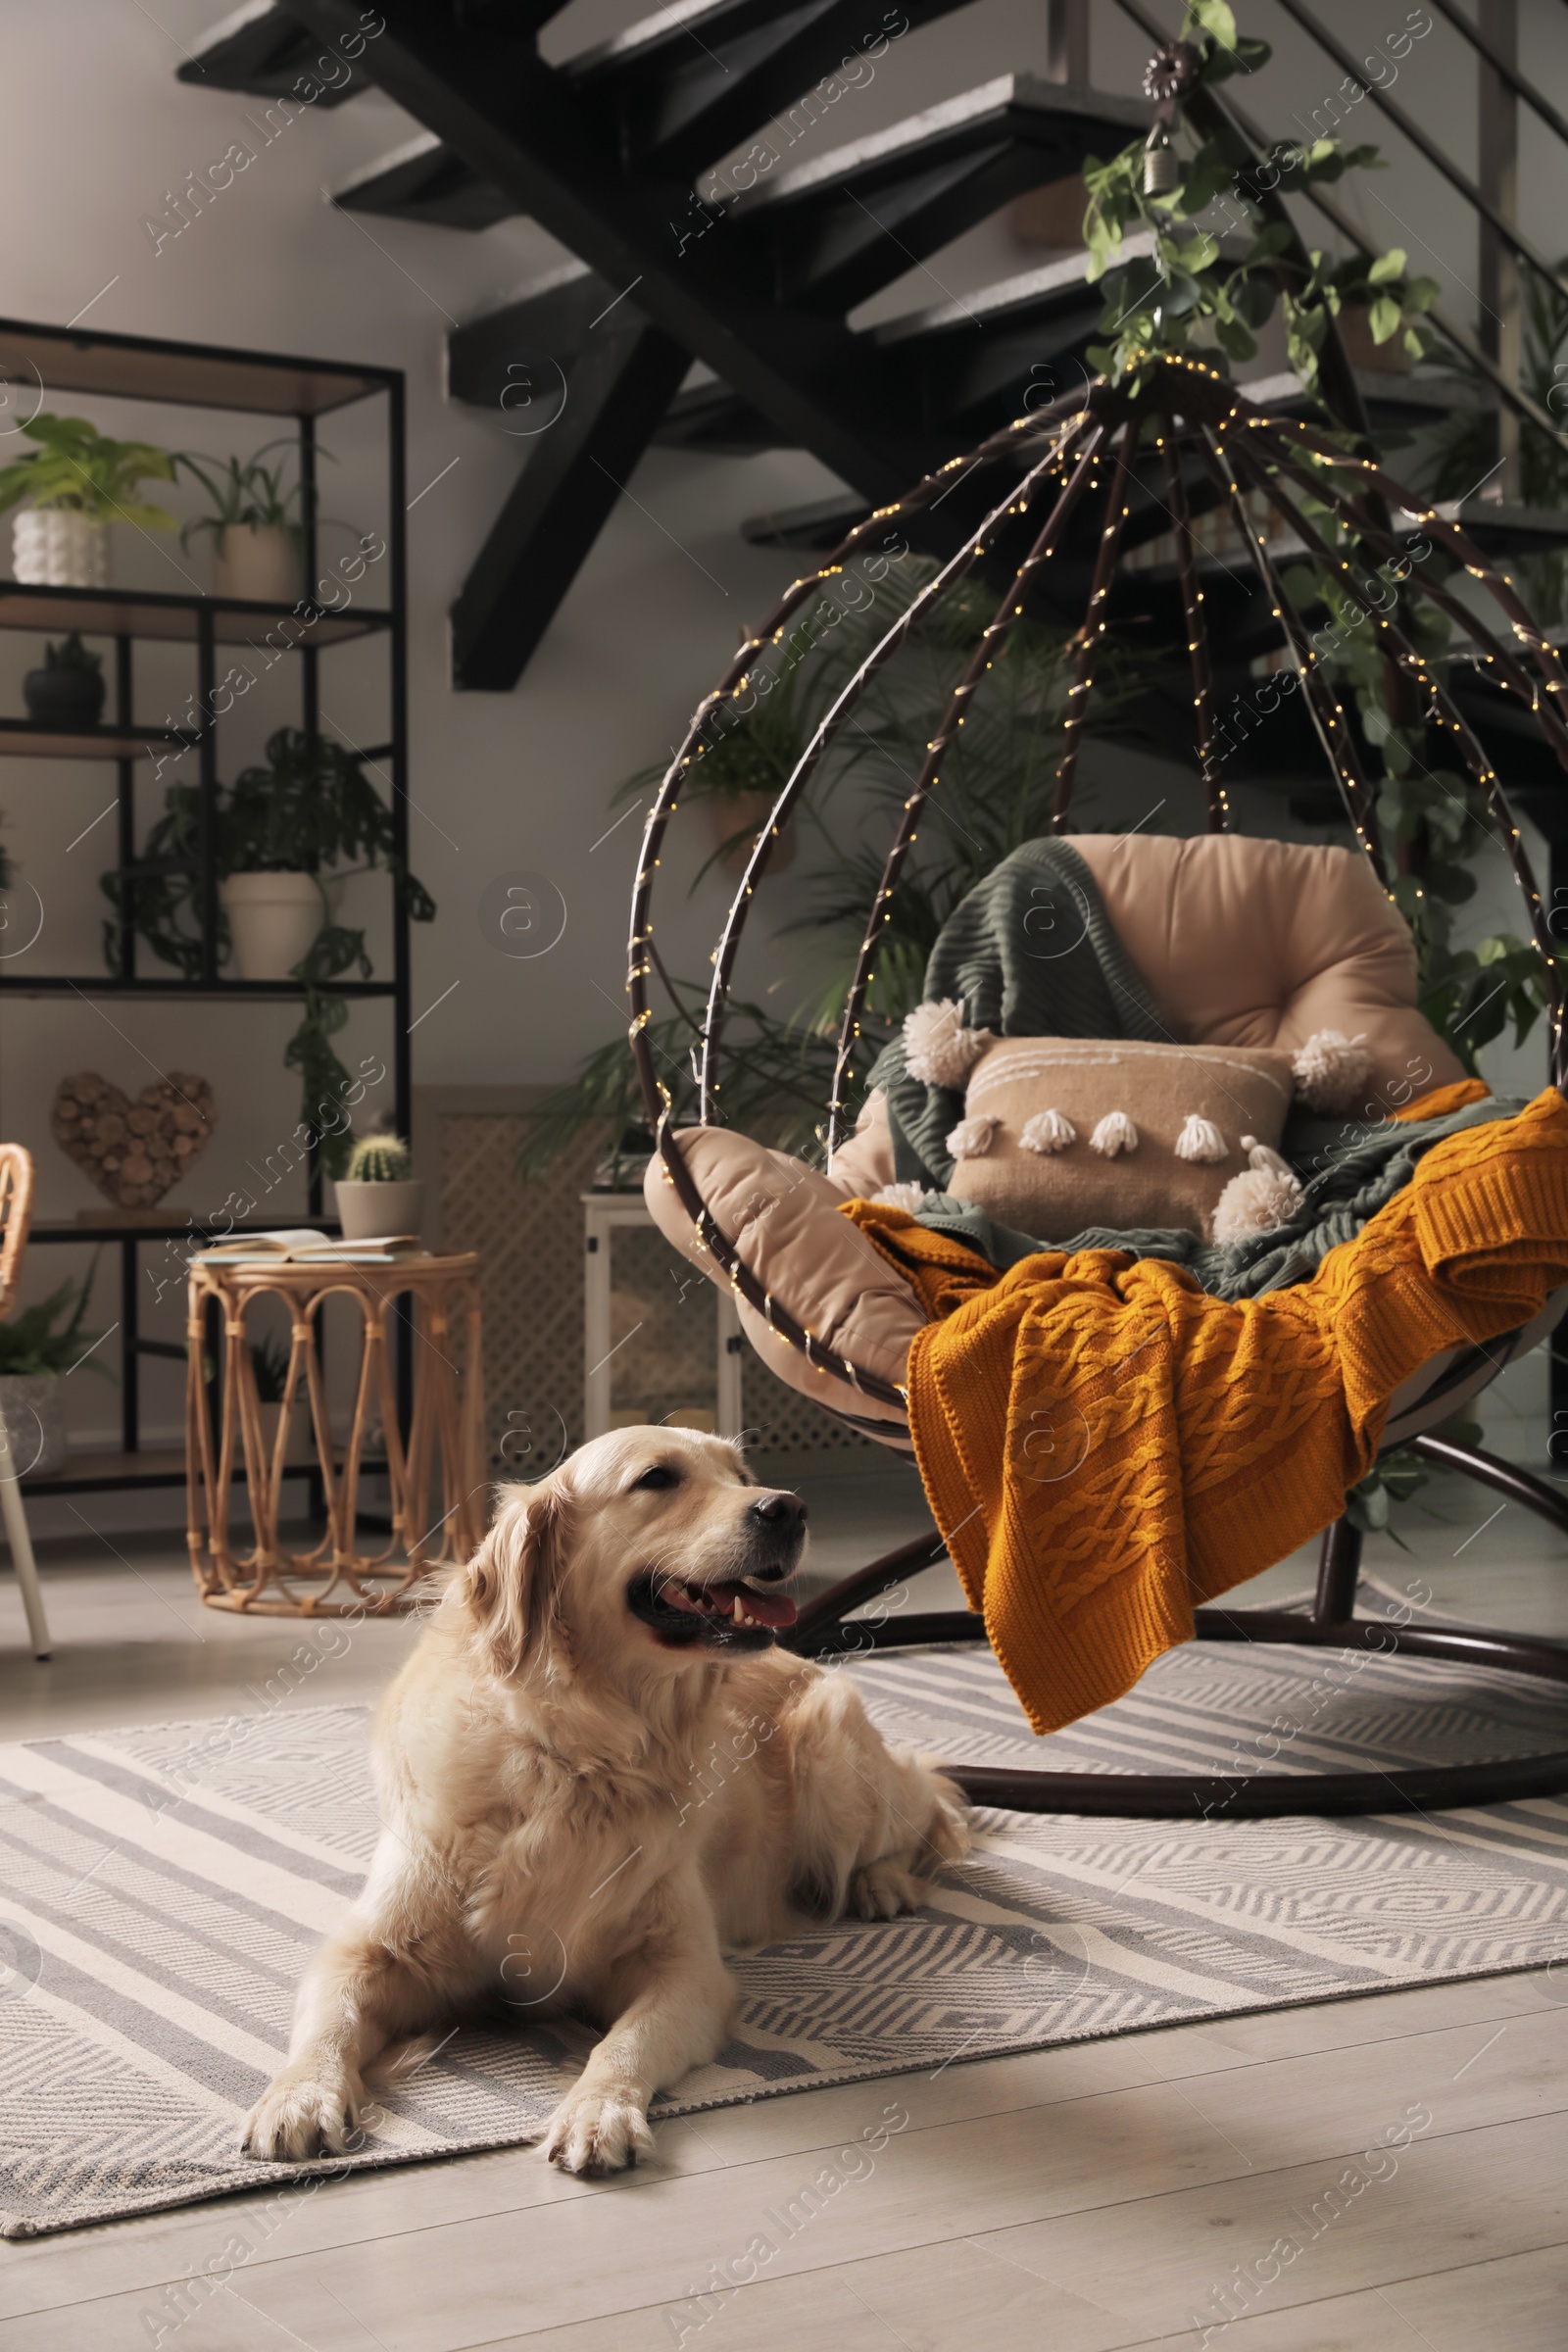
195, 376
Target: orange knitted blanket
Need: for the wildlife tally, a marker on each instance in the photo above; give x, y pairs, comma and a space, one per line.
1104, 1446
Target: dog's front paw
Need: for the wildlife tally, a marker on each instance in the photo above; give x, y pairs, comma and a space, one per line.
882, 1888
299, 2117
597, 2132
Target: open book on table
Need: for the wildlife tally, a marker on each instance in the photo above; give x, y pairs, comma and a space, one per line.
303, 1246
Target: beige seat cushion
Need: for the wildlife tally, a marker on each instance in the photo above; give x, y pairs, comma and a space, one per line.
1262, 943
784, 1220
1235, 1091
862, 1166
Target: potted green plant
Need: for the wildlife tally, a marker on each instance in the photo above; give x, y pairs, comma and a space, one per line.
285, 829
381, 1198
289, 832
252, 517
68, 692
74, 485
38, 1349
744, 764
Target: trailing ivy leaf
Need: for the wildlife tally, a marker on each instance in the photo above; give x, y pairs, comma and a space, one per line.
1384, 318
1235, 339
1276, 237
1212, 17
1453, 884
1390, 265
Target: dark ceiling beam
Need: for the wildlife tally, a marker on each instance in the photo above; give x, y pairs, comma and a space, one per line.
617, 390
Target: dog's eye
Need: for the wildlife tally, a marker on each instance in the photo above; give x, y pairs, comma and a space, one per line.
655, 1478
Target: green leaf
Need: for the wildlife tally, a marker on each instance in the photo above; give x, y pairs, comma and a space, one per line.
1383, 318
1214, 17
1453, 884
1256, 299
1199, 254
1277, 237
1234, 339
1390, 265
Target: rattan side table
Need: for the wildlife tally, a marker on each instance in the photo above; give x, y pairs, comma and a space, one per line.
336, 1579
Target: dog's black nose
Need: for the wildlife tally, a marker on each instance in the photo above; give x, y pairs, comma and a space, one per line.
780, 1511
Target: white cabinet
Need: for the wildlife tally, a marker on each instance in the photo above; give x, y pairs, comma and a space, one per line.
663, 1342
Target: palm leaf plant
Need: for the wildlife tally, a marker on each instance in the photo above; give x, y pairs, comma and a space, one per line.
49, 1337
243, 493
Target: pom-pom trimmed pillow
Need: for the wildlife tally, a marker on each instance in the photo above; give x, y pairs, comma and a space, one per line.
1156, 1131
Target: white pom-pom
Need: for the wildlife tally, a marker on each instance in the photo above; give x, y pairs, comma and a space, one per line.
1049, 1131
1331, 1070
1200, 1139
900, 1196
1259, 1155
1255, 1201
938, 1049
1114, 1133
972, 1137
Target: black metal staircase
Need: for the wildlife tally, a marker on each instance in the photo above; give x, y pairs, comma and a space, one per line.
751, 270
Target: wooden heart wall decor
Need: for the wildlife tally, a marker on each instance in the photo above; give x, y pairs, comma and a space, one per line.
133, 1149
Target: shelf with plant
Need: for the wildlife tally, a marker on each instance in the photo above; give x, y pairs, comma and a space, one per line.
253, 519
286, 835
70, 489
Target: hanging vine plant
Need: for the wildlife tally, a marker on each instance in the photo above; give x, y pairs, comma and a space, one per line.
308, 809
1207, 291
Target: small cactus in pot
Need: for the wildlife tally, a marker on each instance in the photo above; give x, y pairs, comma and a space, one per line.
381, 1198
381, 1159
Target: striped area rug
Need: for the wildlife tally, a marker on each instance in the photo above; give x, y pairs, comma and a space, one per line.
161, 1889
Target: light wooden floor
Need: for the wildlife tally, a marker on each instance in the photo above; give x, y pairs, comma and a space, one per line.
1074, 2200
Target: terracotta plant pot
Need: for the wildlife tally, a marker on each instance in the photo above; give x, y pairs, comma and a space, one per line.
54, 548
272, 921
370, 1213
746, 814
257, 562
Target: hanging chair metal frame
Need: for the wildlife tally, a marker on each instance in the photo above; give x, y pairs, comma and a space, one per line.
1067, 449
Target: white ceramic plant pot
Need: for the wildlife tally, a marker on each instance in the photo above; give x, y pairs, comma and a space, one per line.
259, 561
32, 1407
370, 1213
54, 548
272, 921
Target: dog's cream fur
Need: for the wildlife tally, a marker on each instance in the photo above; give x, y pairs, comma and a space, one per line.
579, 1817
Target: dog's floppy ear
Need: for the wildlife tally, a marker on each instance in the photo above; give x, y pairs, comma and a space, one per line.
510, 1587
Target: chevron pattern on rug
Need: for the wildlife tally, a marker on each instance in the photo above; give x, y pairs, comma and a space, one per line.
161, 1888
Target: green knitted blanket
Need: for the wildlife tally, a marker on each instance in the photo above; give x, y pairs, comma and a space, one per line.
1031, 952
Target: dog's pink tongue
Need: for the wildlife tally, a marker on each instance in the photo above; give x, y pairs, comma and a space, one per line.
768, 1608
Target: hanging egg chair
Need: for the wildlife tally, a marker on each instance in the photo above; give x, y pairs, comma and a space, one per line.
1083, 455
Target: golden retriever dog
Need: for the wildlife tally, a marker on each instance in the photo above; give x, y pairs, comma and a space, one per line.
596, 1776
